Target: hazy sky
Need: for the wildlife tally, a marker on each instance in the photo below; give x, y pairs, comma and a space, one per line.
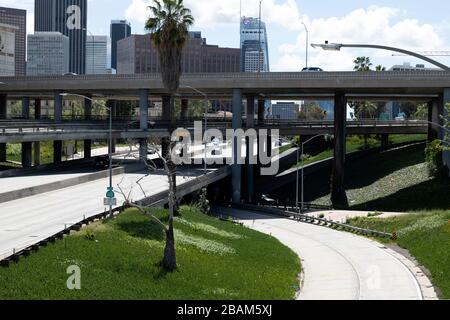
416, 25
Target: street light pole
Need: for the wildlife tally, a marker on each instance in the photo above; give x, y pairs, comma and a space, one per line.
302, 146
307, 43
337, 47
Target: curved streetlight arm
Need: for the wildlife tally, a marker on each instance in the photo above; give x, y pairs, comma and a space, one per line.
82, 96
410, 53
338, 46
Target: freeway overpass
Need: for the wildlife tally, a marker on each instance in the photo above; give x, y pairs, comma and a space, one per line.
432, 87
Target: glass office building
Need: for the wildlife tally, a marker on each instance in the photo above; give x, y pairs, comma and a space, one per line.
254, 46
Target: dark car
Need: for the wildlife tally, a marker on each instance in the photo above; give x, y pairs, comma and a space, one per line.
101, 162
137, 125
312, 69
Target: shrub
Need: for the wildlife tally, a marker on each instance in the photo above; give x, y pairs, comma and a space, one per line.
433, 157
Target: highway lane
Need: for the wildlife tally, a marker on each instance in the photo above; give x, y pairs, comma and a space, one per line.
27, 221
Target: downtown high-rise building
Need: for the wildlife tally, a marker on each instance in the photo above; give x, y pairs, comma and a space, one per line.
138, 54
48, 54
254, 46
7, 50
18, 19
68, 17
96, 54
120, 29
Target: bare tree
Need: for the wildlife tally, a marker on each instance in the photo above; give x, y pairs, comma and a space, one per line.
169, 168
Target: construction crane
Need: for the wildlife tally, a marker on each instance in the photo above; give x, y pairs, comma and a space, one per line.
427, 54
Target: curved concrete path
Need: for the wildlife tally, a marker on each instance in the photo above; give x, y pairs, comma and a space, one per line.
337, 265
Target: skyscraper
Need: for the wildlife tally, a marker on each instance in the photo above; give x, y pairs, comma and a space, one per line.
7, 49
254, 46
68, 17
96, 54
120, 29
17, 18
48, 54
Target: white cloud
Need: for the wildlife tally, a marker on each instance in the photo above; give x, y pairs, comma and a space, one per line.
374, 25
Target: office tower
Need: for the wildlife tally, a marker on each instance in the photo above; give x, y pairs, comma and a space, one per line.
120, 29
285, 110
96, 54
48, 54
138, 54
68, 17
18, 19
254, 46
7, 50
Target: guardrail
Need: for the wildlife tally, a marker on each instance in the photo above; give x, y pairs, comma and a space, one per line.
290, 213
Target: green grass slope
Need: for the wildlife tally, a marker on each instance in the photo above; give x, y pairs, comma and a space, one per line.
217, 260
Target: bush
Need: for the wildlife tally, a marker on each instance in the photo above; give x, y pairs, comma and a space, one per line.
433, 157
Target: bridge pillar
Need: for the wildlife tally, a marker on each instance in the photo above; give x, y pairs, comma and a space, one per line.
87, 109
250, 177
37, 109
27, 148
26, 107
338, 195
261, 110
385, 140
57, 152
3, 110
143, 116
184, 109
435, 110
37, 153
236, 170
87, 148
58, 106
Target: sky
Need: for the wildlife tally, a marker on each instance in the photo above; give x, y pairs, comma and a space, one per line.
414, 25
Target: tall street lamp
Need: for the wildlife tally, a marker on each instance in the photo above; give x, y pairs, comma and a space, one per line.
307, 42
303, 171
110, 193
206, 120
337, 47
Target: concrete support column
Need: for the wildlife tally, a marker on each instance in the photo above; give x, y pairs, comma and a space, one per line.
261, 110
250, 177
250, 111
58, 106
87, 144
3, 106
87, 109
143, 114
87, 148
338, 195
184, 109
26, 107
57, 152
385, 140
27, 150
37, 153
37, 109
435, 111
236, 170
3, 110
2, 152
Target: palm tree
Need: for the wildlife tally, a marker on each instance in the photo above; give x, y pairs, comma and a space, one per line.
362, 64
169, 23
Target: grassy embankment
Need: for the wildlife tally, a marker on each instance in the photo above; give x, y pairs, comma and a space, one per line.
426, 235
217, 260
